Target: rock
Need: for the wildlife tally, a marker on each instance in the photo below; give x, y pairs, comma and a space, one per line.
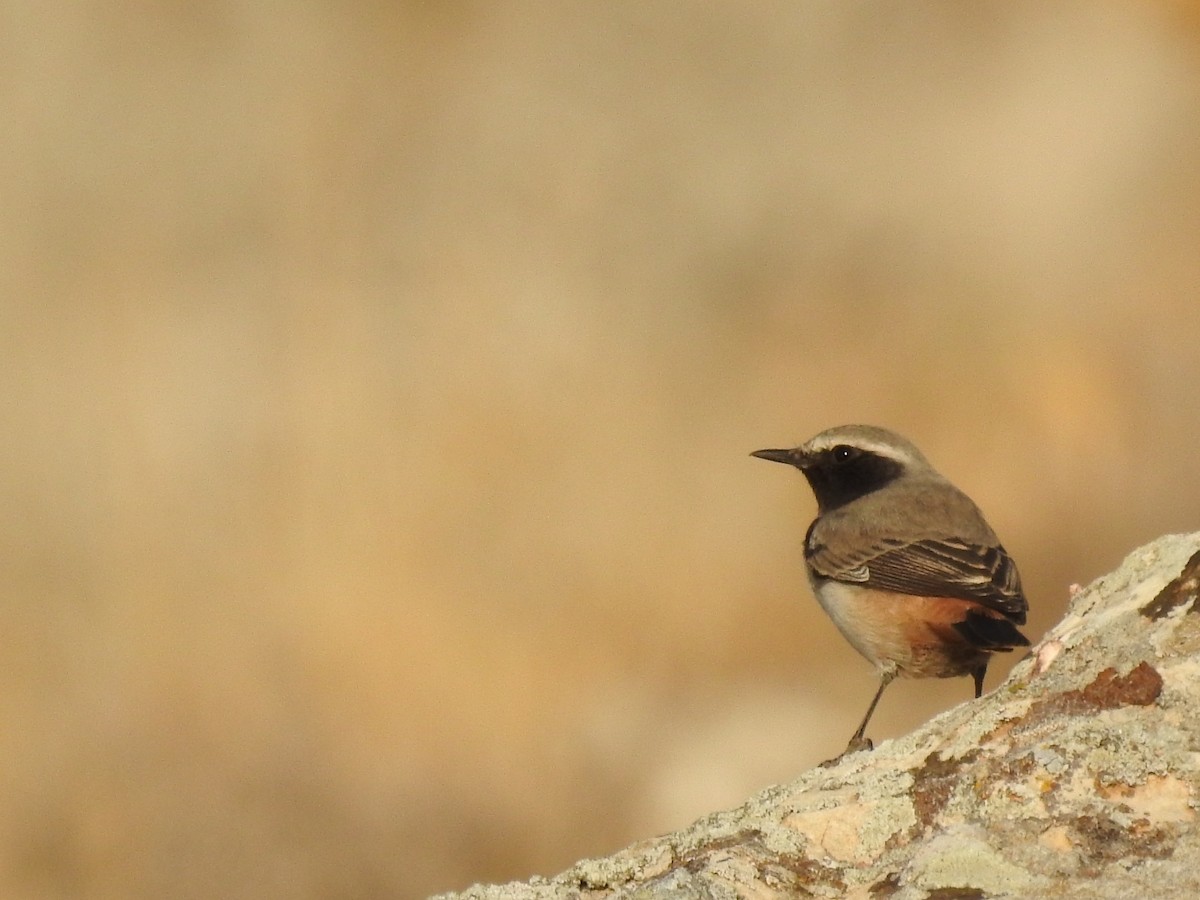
1078, 777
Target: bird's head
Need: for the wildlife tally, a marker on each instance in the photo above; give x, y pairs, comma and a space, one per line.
850, 461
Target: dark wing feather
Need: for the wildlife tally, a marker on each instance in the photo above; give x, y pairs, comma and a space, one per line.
940, 567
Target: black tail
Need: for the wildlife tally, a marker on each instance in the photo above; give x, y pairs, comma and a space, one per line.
990, 632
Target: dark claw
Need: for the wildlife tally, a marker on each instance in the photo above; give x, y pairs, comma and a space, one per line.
855, 745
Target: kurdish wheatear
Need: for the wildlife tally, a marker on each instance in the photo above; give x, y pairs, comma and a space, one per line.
903, 561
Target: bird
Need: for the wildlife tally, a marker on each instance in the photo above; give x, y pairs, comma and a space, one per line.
903, 562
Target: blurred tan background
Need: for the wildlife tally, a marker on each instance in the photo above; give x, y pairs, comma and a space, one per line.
378, 381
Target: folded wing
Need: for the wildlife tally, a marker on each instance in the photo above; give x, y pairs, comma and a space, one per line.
939, 567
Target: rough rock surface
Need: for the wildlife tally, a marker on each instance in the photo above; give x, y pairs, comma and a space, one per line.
1078, 777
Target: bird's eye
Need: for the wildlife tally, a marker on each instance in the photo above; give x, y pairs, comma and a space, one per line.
842, 453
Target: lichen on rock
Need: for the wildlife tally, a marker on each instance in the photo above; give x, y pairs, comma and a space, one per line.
1078, 777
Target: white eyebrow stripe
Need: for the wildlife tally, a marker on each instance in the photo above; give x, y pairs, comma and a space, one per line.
888, 450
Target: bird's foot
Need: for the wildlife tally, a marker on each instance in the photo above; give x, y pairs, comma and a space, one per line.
856, 744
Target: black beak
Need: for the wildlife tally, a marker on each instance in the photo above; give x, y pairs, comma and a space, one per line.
790, 457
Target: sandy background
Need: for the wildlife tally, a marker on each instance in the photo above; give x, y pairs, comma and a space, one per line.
377, 382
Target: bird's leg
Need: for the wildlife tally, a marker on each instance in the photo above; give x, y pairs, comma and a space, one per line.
858, 742
978, 674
